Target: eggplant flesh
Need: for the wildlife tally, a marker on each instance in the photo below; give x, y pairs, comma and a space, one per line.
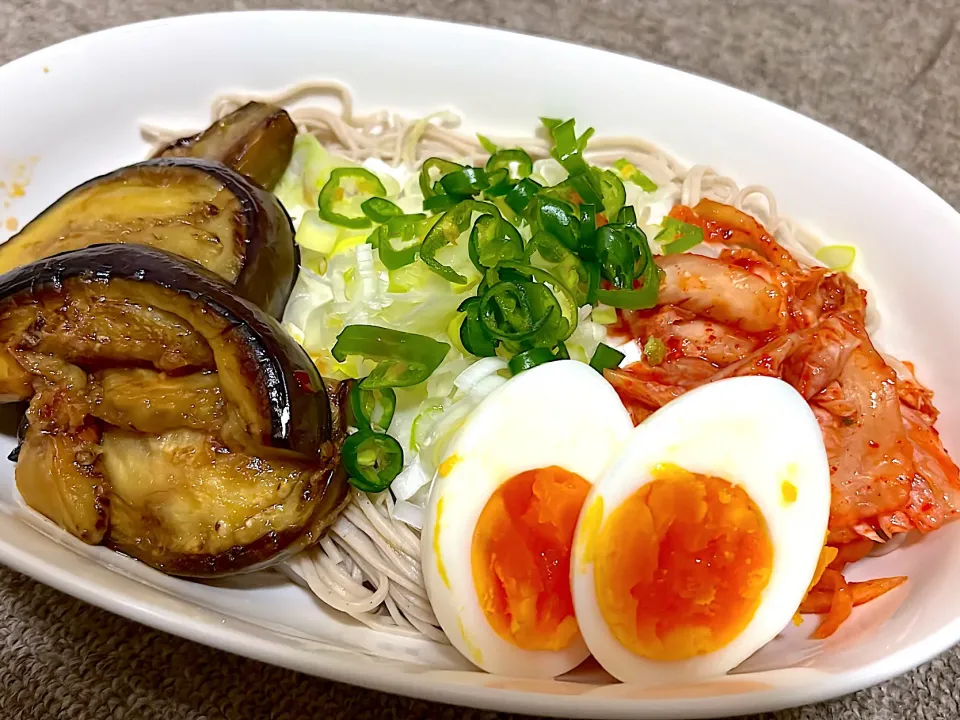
215, 454
154, 402
200, 210
58, 472
181, 504
256, 140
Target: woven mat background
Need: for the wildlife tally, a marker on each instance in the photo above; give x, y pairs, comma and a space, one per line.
885, 72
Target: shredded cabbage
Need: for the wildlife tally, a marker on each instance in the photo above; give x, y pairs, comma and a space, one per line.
342, 282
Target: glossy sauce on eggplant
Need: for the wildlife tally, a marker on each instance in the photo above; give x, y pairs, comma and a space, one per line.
168, 418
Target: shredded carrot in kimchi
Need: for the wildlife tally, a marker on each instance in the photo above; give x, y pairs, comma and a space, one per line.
754, 310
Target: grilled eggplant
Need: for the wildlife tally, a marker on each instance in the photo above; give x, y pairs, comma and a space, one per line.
256, 140
169, 418
201, 210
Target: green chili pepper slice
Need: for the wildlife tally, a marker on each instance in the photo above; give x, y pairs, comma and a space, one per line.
379, 209
612, 192
516, 162
500, 183
606, 358
473, 336
453, 223
546, 294
465, 182
493, 240
562, 352
545, 251
528, 359
372, 460
642, 298
617, 253
398, 240
372, 409
449, 227
560, 219
404, 358
334, 195
588, 228
430, 173
507, 312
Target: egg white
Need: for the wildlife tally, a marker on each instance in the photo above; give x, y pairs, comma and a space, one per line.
561, 413
755, 432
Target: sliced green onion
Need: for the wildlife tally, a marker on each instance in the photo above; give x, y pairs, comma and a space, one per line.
423, 424
379, 209
440, 203
604, 315
334, 196
654, 350
528, 359
404, 359
628, 171
487, 144
372, 409
430, 173
516, 162
606, 358
677, 236
837, 257
627, 216
398, 240
568, 151
372, 460
465, 182
522, 193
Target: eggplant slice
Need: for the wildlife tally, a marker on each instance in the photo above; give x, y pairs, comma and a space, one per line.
169, 419
198, 209
256, 140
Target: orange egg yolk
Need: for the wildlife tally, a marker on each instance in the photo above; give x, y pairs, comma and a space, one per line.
681, 565
520, 557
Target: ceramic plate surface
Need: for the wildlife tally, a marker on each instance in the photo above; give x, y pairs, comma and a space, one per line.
73, 111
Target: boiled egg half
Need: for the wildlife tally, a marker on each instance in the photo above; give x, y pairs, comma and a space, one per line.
499, 528
696, 546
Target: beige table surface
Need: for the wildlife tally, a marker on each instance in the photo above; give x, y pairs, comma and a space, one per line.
885, 72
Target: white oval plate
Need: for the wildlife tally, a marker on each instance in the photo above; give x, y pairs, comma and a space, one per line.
73, 111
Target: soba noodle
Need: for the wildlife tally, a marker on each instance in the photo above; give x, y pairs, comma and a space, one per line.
367, 564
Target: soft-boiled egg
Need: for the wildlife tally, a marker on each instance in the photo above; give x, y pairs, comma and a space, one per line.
696, 546
499, 528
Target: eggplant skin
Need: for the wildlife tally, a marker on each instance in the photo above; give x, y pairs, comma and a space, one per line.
256, 140
196, 208
263, 370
